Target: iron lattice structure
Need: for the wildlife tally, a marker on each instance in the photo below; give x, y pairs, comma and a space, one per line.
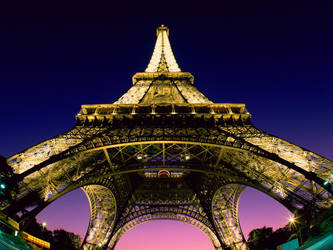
165, 151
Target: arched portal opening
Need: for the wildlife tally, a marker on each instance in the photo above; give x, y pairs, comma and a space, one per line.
164, 235
257, 209
70, 212
88, 211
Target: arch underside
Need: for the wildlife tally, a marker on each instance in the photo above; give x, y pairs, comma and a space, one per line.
102, 215
106, 161
225, 214
82, 138
164, 198
167, 216
186, 208
233, 154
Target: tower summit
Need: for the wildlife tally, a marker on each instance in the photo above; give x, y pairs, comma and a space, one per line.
162, 59
163, 150
163, 81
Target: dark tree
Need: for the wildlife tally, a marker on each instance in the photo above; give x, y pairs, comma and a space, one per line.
37, 230
59, 239
259, 238
265, 238
282, 235
8, 186
65, 240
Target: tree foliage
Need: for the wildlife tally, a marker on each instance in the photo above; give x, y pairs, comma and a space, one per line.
8, 186
258, 238
65, 240
265, 238
59, 238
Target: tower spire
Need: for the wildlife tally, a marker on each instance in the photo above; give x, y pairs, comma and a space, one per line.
162, 59
163, 81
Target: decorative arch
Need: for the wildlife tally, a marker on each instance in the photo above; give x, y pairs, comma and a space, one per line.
247, 158
177, 217
103, 211
225, 212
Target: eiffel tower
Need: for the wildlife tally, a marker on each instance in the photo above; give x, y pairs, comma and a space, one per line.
164, 151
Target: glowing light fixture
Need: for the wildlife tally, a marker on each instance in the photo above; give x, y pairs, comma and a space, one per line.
163, 172
291, 219
187, 157
139, 156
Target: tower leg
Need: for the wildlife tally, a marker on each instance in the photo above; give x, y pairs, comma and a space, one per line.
225, 213
103, 213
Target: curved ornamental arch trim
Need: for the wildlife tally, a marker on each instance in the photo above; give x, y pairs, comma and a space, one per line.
217, 137
176, 217
224, 141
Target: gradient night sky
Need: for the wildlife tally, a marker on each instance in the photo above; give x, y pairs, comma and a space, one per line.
277, 59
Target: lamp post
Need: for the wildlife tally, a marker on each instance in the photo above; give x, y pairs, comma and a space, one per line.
43, 225
294, 222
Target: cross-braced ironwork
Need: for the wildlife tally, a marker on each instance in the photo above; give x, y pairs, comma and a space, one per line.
165, 151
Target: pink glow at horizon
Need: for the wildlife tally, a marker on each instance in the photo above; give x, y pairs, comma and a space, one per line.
256, 209
164, 235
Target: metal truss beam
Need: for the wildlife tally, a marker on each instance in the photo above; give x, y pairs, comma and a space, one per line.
231, 160
225, 213
102, 216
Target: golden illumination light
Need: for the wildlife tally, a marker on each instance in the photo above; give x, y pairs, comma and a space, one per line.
162, 51
291, 219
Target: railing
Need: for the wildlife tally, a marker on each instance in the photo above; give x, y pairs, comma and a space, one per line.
29, 238
116, 109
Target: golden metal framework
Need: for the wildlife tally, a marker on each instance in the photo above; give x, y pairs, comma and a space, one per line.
208, 152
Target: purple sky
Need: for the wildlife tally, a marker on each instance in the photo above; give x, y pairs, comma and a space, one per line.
274, 57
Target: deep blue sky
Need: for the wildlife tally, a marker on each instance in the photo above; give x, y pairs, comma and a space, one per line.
275, 58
